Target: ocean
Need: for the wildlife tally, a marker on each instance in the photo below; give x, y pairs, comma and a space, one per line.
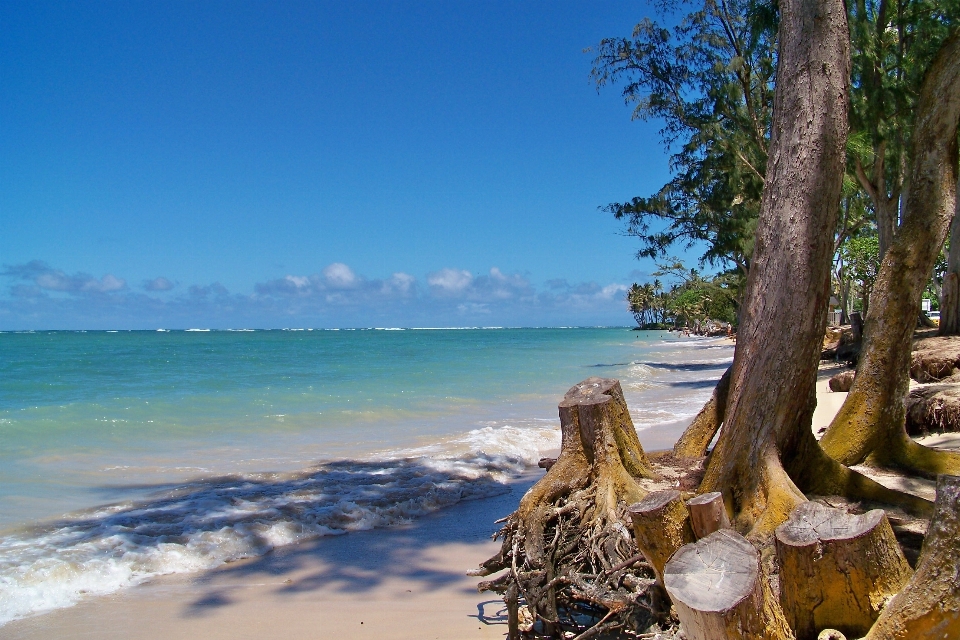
131, 454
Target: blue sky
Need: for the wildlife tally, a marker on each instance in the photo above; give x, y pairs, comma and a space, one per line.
314, 164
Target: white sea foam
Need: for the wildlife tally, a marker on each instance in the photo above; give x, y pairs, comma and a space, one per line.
200, 525
203, 524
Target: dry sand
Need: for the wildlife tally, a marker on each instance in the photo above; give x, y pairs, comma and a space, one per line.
393, 584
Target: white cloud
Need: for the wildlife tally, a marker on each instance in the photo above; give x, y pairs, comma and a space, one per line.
298, 281
340, 276
402, 283
449, 281
47, 278
38, 295
612, 291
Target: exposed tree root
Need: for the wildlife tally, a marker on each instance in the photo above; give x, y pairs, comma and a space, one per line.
853, 438
825, 476
696, 438
567, 549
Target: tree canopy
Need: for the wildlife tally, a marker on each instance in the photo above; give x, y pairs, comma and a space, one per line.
710, 81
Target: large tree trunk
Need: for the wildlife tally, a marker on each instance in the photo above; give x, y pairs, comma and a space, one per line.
566, 542
772, 393
950, 300
928, 608
870, 424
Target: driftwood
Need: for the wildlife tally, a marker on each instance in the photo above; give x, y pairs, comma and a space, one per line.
837, 570
933, 408
842, 381
719, 592
696, 437
928, 607
566, 548
843, 343
707, 514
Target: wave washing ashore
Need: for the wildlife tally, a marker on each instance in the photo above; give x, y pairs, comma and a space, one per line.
155, 444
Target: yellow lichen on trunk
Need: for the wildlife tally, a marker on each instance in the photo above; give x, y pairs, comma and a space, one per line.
697, 436
928, 607
837, 569
871, 424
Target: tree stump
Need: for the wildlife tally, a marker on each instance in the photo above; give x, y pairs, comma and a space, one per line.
566, 543
707, 514
837, 570
719, 592
928, 607
661, 525
697, 436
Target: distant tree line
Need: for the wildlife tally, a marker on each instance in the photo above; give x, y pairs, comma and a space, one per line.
690, 301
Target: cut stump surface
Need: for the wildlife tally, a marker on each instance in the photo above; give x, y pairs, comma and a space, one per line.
837, 570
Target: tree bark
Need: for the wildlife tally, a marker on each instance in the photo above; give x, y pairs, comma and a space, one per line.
772, 394
870, 424
928, 607
837, 569
719, 592
696, 437
707, 514
888, 210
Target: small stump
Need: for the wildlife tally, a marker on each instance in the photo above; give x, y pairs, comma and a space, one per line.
718, 590
842, 381
661, 525
707, 514
837, 570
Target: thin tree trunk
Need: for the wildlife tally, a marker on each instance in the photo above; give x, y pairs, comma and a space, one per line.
950, 300
888, 210
698, 435
871, 422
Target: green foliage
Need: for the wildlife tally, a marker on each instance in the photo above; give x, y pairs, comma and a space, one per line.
861, 255
693, 300
710, 81
892, 44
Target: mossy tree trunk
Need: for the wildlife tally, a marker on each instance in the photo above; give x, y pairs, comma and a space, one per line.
766, 455
928, 607
870, 425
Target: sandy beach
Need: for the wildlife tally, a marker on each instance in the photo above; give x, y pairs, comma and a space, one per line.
395, 583
402, 582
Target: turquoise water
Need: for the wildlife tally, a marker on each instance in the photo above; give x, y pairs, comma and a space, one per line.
125, 455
